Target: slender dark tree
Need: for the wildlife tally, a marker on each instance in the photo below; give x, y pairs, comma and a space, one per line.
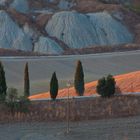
106, 86
26, 81
111, 84
79, 79
101, 87
54, 86
3, 85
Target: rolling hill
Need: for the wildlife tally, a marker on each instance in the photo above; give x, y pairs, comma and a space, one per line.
126, 83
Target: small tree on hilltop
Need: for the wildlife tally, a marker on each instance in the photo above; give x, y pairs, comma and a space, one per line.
79, 79
26, 81
106, 86
54, 86
3, 86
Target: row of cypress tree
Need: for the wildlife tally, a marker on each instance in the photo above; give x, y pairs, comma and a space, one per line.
26, 81
54, 86
78, 82
3, 84
105, 87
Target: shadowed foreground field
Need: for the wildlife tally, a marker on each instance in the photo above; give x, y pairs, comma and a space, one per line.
111, 129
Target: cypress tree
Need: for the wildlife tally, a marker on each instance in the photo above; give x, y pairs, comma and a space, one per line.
101, 87
26, 81
79, 79
3, 85
54, 86
111, 84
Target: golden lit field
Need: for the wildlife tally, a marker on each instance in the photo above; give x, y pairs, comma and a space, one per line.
127, 83
41, 69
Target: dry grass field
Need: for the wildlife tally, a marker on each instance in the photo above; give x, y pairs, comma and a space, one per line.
41, 68
125, 83
111, 129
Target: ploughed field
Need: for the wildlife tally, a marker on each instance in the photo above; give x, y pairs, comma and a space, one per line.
111, 129
41, 68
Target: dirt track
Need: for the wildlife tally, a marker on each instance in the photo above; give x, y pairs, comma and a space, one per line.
113, 129
95, 66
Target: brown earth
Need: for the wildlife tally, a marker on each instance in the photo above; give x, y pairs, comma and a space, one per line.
42, 19
102, 49
67, 51
87, 6
12, 52
19, 18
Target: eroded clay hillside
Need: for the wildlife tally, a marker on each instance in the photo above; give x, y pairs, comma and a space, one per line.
56, 26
